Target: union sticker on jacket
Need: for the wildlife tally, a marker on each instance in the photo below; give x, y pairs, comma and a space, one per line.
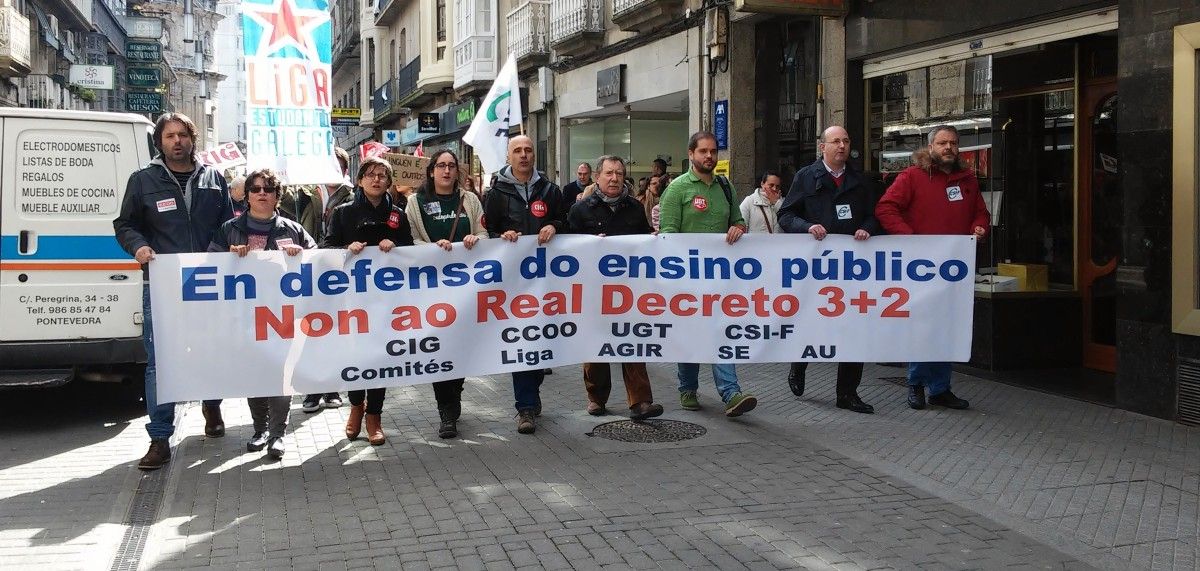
954, 193
843, 212
166, 205
284, 242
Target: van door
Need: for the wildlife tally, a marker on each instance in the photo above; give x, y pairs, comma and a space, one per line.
62, 274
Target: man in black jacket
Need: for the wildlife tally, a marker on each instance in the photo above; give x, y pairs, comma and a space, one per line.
172, 206
575, 188
830, 197
523, 201
611, 211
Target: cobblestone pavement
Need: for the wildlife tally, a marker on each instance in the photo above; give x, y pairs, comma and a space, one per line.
1023, 480
65, 474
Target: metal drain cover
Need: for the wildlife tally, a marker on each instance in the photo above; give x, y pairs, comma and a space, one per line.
648, 431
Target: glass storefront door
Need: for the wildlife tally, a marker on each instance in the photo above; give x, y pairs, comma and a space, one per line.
1099, 224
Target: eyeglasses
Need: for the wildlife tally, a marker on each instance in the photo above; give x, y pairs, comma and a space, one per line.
258, 189
446, 166
377, 175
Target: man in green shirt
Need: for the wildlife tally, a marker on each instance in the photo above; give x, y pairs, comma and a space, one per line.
696, 202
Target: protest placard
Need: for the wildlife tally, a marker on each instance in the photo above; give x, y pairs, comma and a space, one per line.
409, 170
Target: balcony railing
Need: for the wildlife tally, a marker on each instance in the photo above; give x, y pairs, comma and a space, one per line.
406, 80
529, 32
14, 43
474, 59
383, 99
345, 32
573, 21
644, 15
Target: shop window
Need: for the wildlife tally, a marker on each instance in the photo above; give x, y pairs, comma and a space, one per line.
1015, 113
1185, 274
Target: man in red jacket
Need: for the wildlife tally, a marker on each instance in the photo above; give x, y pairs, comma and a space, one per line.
940, 197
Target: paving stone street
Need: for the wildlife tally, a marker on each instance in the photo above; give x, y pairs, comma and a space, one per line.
1022, 480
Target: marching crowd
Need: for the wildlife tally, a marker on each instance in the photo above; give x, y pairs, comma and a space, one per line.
177, 205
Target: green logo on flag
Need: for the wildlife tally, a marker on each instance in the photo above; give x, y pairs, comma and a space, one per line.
491, 112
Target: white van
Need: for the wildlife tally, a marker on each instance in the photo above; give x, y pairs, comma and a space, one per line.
70, 297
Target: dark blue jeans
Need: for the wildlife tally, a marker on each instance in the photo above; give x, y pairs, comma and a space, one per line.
162, 415
935, 377
527, 388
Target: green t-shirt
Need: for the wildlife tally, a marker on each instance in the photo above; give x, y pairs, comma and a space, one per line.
688, 205
438, 216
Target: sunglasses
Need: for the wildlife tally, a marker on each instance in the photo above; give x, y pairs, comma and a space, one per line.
258, 189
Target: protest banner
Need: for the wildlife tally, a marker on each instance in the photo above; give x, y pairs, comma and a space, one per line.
225, 156
327, 321
287, 49
409, 170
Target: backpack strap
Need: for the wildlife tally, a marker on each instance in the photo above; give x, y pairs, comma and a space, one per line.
728, 188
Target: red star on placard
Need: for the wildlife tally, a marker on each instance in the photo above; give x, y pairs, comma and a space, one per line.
287, 25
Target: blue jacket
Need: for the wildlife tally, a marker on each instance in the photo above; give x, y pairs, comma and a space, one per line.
815, 198
153, 212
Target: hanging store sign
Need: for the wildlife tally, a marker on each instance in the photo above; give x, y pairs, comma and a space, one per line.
793, 7
345, 116
429, 123
610, 85
143, 76
150, 52
92, 76
721, 123
143, 27
142, 102
462, 114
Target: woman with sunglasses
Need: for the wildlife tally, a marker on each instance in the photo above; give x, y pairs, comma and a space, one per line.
369, 220
262, 228
442, 212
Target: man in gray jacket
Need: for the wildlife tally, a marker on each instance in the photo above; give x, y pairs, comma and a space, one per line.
172, 206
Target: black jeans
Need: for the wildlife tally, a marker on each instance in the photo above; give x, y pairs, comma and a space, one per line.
849, 375
374, 398
448, 393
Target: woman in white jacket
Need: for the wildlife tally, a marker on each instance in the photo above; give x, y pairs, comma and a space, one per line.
761, 208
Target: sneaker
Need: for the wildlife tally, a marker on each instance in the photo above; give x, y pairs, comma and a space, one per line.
257, 442
525, 421
275, 448
332, 400
740, 403
688, 400
312, 403
157, 456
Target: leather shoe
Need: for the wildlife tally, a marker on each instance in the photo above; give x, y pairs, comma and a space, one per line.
948, 400
916, 397
214, 426
157, 456
852, 402
596, 409
644, 410
796, 383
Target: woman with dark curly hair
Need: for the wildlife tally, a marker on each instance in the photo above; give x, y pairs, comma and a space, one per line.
262, 228
369, 220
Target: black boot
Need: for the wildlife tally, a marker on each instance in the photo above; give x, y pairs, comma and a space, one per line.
796, 379
214, 425
449, 426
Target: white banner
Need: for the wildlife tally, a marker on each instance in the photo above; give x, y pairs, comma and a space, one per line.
327, 321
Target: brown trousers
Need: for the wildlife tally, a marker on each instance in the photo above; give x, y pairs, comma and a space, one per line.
597, 379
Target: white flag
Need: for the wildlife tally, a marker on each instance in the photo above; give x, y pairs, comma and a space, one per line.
500, 110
